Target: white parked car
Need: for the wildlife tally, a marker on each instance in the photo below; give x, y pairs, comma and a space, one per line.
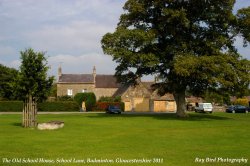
204, 107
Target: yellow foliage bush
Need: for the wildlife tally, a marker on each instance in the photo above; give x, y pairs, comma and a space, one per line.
241, 101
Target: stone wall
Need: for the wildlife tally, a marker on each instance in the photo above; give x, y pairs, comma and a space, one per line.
137, 98
62, 88
219, 108
107, 92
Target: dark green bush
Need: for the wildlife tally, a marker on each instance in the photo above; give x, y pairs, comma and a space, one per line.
88, 98
11, 106
110, 99
64, 98
57, 106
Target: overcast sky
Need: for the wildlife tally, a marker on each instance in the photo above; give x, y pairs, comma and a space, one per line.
68, 30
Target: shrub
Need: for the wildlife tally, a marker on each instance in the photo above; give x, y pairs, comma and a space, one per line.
242, 101
103, 106
88, 98
64, 98
56, 106
110, 99
11, 106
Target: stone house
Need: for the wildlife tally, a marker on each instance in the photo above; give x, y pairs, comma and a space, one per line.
138, 98
71, 84
164, 103
193, 101
142, 98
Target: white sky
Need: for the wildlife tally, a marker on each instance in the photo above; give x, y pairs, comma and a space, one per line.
68, 30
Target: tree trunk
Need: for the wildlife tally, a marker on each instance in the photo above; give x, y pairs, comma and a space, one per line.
181, 104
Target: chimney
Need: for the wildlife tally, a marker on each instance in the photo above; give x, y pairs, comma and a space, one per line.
157, 78
138, 80
59, 72
94, 73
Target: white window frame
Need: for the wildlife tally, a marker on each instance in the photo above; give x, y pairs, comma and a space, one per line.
70, 92
84, 90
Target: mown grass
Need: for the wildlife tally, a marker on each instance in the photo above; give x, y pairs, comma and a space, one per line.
101, 136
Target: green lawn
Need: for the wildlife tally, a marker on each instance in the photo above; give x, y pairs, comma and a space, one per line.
162, 138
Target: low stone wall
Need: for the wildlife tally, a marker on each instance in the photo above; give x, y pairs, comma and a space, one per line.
219, 108
50, 125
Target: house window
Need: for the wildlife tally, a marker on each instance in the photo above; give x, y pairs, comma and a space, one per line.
84, 90
70, 92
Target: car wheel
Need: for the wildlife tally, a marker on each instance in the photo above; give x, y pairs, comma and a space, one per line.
233, 111
211, 112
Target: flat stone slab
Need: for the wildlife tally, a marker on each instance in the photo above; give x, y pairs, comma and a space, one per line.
52, 125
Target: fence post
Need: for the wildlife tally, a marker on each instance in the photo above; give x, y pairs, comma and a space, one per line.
29, 112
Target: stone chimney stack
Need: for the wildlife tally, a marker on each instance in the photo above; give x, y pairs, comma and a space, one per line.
59, 72
157, 80
94, 74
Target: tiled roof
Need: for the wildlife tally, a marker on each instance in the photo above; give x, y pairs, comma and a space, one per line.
106, 81
167, 96
156, 96
148, 85
76, 78
102, 81
193, 99
121, 90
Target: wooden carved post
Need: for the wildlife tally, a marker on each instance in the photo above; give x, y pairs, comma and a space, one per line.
29, 112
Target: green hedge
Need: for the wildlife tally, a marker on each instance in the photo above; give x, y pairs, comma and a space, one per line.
57, 106
110, 99
11, 106
88, 98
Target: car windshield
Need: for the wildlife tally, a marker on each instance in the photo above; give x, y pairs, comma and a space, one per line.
240, 106
207, 105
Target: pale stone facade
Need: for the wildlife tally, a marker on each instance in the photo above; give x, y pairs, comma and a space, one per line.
138, 98
142, 98
71, 84
63, 88
100, 92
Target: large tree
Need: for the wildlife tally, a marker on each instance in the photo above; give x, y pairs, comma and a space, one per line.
7, 76
188, 43
33, 79
243, 16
